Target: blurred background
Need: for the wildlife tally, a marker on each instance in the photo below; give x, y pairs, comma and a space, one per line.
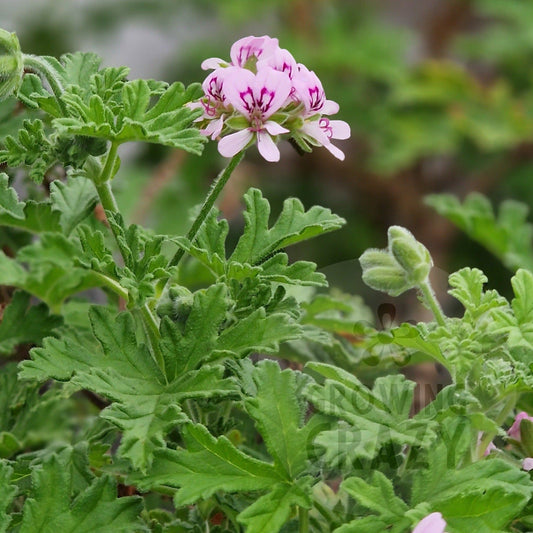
438, 95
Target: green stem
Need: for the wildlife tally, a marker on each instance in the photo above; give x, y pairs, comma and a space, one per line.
109, 203
108, 172
112, 284
303, 516
42, 67
432, 303
213, 194
486, 439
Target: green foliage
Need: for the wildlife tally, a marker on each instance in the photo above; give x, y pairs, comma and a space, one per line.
51, 508
22, 323
368, 419
258, 253
170, 387
508, 236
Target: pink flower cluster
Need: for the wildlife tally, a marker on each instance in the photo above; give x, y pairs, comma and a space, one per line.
263, 93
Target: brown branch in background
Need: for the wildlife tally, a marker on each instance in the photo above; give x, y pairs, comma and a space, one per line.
448, 20
162, 175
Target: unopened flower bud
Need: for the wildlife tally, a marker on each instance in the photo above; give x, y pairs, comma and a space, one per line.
412, 255
11, 64
383, 273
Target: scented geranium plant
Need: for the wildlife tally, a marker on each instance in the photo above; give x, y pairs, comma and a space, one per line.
169, 406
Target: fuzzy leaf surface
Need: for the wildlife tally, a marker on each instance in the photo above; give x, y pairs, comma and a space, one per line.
97, 509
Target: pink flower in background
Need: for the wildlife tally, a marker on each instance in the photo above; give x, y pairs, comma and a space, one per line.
527, 464
256, 97
262, 94
514, 430
432, 523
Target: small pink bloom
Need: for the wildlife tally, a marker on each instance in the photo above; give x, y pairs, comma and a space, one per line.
514, 430
308, 89
249, 47
241, 97
323, 130
256, 97
527, 464
432, 523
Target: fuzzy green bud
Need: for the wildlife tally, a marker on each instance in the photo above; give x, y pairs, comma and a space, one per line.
382, 272
412, 255
403, 265
11, 64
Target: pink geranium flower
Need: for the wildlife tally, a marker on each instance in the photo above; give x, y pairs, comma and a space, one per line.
432, 523
514, 430
262, 94
256, 97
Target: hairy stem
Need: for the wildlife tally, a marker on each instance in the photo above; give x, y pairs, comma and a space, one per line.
112, 284
303, 516
42, 67
109, 203
432, 303
214, 192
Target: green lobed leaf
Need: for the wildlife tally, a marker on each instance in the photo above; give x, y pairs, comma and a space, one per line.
293, 225
131, 118
38, 217
74, 200
97, 509
9, 203
508, 236
374, 417
377, 494
208, 465
271, 511
146, 402
278, 415
50, 282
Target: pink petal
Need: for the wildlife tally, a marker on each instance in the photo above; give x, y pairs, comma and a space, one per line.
274, 128
213, 62
260, 47
214, 128
214, 83
309, 90
278, 87
341, 129
514, 430
432, 523
330, 108
238, 88
314, 130
527, 464
281, 60
267, 147
234, 142
339, 154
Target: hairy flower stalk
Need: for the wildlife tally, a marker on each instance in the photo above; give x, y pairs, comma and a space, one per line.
263, 95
